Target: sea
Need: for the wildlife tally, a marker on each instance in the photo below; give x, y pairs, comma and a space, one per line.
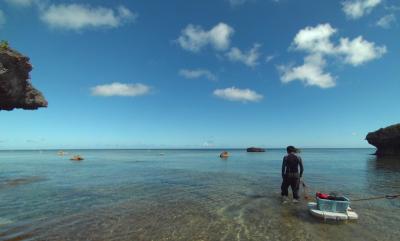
191, 195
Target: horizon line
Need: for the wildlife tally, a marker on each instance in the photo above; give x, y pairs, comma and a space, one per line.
173, 148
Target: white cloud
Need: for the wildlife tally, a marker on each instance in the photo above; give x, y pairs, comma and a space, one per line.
197, 73
235, 3
355, 9
22, 3
316, 42
194, 38
120, 89
269, 58
39, 4
248, 58
315, 39
386, 21
310, 73
392, 7
235, 94
209, 143
78, 16
359, 51
2, 18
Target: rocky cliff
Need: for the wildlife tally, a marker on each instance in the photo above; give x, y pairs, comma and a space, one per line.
16, 91
386, 140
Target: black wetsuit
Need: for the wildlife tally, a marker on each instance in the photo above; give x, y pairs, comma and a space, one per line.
290, 174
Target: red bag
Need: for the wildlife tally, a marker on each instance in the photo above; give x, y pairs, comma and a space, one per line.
322, 195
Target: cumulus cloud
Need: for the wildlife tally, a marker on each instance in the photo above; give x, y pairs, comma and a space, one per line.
386, 21
194, 38
120, 89
315, 39
359, 51
79, 16
197, 73
310, 73
355, 9
317, 43
249, 58
2, 18
235, 94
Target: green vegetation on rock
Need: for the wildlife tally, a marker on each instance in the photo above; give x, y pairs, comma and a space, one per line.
4, 45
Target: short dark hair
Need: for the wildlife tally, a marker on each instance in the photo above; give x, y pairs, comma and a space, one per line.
291, 149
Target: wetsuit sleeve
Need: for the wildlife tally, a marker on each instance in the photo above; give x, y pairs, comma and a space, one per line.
283, 167
301, 166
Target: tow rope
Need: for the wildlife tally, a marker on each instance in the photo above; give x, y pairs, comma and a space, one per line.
305, 190
387, 196
377, 197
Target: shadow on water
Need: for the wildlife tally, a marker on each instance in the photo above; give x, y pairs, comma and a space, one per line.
10, 183
383, 173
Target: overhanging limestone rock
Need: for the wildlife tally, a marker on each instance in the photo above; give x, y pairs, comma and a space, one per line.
386, 140
16, 91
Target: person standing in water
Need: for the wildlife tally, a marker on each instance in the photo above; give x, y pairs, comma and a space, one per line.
290, 174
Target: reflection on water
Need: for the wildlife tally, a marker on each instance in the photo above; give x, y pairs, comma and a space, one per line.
383, 178
389, 163
188, 195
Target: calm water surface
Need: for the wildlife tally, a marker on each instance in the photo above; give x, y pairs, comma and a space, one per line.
189, 195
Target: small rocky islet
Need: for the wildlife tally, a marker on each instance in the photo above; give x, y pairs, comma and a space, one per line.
255, 149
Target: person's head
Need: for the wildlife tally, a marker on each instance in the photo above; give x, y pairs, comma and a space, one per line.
291, 149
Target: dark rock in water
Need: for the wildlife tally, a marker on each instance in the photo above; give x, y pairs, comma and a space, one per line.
20, 181
386, 140
16, 91
224, 154
255, 149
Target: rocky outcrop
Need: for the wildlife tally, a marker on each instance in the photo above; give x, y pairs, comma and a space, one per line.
16, 91
255, 149
224, 154
386, 140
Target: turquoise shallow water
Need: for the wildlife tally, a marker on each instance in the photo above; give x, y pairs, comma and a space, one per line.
189, 195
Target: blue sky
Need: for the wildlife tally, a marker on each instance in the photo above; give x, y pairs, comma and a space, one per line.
209, 73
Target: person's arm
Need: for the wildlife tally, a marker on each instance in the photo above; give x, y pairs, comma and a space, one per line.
301, 167
283, 167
